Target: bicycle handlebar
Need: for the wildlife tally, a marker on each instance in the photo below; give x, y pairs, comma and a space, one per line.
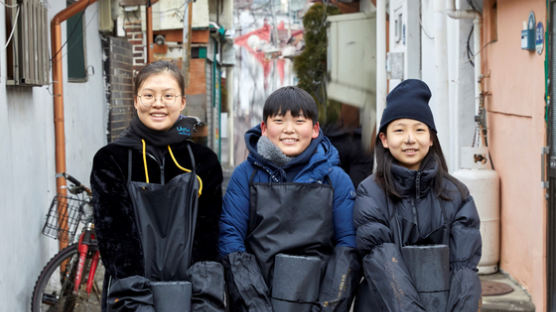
78, 185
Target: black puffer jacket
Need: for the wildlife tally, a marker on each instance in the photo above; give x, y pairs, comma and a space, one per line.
384, 225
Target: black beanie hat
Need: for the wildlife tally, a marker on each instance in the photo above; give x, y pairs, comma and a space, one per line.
409, 99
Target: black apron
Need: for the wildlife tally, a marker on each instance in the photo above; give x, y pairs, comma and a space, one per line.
426, 259
165, 215
289, 218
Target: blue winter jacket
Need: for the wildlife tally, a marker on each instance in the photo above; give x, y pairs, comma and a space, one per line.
318, 160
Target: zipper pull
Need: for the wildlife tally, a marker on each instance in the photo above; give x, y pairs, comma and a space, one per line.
418, 185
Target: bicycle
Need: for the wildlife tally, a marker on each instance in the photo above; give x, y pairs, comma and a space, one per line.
58, 287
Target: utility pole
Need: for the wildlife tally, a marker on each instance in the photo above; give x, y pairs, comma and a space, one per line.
149, 31
187, 16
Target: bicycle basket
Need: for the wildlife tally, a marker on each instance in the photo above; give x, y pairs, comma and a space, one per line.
63, 217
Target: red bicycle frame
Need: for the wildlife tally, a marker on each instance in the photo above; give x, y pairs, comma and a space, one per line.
83, 249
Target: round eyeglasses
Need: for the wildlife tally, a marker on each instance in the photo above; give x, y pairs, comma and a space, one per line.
148, 99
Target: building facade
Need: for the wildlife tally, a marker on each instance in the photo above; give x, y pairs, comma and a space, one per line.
27, 139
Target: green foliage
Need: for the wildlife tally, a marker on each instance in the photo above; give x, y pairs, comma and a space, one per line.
310, 65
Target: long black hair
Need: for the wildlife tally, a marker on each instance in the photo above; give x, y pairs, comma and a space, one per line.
384, 178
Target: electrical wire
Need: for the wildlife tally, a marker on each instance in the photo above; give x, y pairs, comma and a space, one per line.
171, 9
13, 29
472, 5
83, 29
423, 28
71, 33
470, 53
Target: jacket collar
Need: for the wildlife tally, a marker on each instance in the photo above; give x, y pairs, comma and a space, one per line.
415, 183
317, 159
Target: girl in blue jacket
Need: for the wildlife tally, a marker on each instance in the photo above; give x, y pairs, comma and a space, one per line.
289, 197
410, 204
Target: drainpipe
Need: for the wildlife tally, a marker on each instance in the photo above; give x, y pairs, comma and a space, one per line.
58, 91
476, 17
380, 61
441, 84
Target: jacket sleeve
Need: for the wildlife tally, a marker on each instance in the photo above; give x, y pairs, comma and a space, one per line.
344, 197
116, 232
205, 246
465, 253
383, 265
235, 213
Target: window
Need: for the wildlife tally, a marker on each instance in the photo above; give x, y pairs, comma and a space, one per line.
75, 43
198, 52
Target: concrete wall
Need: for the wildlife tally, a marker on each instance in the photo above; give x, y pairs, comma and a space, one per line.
515, 106
27, 170
449, 74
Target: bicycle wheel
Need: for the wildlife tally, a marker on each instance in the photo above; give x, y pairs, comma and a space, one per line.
54, 289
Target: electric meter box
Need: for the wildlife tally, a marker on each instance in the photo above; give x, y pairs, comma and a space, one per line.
351, 58
405, 41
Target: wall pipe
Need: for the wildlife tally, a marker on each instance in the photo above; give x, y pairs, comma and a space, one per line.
58, 97
441, 86
380, 60
476, 17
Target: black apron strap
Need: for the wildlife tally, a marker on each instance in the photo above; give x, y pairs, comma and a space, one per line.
192, 159
252, 208
252, 177
129, 167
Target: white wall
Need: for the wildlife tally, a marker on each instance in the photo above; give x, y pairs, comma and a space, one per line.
27, 152
449, 75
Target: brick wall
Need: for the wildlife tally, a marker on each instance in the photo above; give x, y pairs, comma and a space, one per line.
136, 38
197, 79
118, 76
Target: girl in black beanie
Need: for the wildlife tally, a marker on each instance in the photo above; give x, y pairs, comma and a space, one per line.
417, 226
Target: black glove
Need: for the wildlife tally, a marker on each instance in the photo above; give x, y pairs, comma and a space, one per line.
340, 281
209, 287
246, 286
130, 294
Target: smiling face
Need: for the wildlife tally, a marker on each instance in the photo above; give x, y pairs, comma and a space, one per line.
291, 134
158, 115
408, 141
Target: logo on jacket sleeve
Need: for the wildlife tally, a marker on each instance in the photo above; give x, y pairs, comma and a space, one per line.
183, 131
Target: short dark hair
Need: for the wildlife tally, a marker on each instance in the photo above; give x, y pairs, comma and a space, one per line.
293, 99
157, 68
384, 178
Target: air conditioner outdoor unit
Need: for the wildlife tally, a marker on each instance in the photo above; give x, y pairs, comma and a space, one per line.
28, 50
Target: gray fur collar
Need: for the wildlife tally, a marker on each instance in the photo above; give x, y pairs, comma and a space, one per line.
269, 151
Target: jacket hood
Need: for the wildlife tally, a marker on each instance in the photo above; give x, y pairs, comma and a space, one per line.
319, 157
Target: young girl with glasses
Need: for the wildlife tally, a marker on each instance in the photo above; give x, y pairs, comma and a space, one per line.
157, 199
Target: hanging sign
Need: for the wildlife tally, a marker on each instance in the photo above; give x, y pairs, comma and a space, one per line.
539, 38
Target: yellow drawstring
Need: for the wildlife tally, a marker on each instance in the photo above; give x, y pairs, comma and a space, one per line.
145, 160
175, 162
186, 170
